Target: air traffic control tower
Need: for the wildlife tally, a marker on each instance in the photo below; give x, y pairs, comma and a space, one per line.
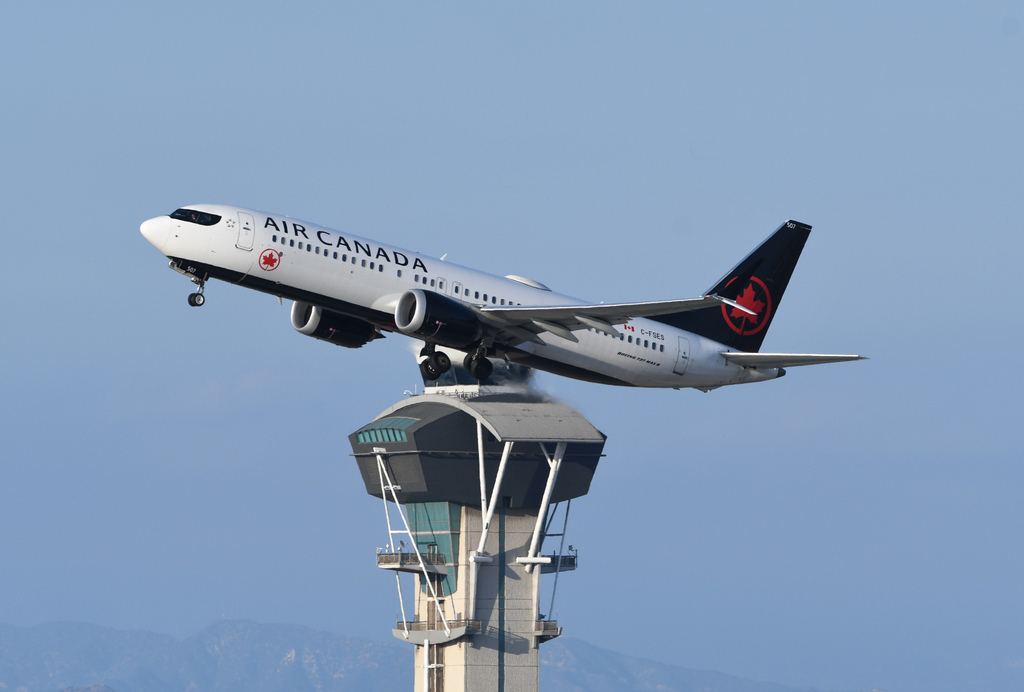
472, 482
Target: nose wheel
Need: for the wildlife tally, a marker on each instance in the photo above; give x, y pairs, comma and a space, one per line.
197, 299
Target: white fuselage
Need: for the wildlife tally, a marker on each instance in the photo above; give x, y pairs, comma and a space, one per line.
366, 278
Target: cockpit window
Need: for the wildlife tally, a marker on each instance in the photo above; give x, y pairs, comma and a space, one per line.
193, 216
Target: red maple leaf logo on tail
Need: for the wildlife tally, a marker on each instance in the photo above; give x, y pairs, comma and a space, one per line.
756, 298
750, 302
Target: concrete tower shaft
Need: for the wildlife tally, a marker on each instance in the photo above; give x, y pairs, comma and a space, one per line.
472, 485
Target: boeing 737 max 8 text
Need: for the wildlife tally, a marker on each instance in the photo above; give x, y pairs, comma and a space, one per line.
350, 290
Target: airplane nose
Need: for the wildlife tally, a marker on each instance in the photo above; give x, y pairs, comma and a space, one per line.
155, 230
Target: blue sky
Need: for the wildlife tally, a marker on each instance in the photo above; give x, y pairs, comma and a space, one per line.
849, 526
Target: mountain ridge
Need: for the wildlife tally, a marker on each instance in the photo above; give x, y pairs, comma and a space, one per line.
241, 655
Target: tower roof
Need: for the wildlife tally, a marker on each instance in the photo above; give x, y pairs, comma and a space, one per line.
516, 419
432, 449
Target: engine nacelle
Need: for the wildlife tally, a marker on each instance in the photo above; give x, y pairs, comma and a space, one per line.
325, 325
437, 319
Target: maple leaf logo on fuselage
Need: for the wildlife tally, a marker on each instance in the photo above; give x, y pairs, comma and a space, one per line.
269, 260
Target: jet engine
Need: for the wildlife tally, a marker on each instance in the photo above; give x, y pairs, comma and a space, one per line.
437, 319
336, 328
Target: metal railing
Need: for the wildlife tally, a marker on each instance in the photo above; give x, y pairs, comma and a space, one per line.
426, 626
564, 563
403, 559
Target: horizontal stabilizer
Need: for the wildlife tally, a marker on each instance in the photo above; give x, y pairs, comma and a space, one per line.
784, 360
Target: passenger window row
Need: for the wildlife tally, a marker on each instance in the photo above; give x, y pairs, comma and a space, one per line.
309, 247
463, 292
433, 283
647, 343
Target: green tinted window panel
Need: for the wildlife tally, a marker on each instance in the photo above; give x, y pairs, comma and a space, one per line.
434, 516
385, 430
437, 524
382, 435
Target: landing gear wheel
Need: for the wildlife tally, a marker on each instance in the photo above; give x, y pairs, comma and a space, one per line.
482, 369
428, 370
196, 299
442, 363
436, 362
478, 366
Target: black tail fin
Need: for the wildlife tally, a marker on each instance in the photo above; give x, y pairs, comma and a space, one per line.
757, 283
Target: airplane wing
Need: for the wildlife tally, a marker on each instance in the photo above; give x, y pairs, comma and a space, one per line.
526, 323
784, 360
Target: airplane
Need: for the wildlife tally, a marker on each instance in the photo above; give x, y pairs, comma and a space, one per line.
349, 290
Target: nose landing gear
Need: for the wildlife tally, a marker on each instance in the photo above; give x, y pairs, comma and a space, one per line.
197, 299
194, 275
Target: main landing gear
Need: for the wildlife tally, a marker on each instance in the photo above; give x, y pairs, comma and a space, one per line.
436, 364
478, 365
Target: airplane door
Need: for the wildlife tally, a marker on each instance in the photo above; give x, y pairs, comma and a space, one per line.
457, 287
246, 231
684, 356
442, 285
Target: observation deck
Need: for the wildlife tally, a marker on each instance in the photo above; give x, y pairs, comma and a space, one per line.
433, 563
